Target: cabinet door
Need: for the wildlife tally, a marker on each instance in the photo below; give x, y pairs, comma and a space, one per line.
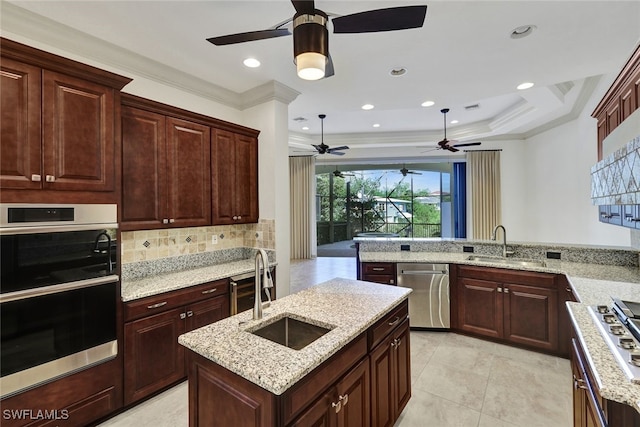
21, 149
189, 171
78, 134
319, 414
223, 159
246, 174
153, 358
531, 316
480, 307
354, 390
382, 378
144, 170
402, 368
206, 312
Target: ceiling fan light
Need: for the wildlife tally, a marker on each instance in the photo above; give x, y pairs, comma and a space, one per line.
311, 65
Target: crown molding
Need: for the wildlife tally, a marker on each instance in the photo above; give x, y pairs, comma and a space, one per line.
270, 91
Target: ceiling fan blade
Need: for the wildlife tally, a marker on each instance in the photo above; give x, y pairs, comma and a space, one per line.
248, 36
328, 69
342, 147
337, 153
452, 149
390, 19
304, 6
467, 144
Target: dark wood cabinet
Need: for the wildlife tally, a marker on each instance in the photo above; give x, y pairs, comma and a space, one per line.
519, 307
390, 377
379, 272
370, 375
166, 171
153, 359
58, 128
234, 158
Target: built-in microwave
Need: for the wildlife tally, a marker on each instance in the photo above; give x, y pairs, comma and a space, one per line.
58, 291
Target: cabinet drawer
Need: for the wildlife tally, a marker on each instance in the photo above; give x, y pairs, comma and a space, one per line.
385, 279
388, 323
508, 276
320, 379
170, 300
377, 268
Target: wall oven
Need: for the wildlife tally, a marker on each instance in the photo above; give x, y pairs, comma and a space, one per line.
58, 291
243, 291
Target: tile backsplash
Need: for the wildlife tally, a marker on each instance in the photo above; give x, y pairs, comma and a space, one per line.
615, 180
156, 244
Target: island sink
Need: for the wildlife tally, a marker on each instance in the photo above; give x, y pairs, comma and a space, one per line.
290, 332
509, 261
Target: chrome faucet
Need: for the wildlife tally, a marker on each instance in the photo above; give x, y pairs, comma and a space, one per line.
260, 282
505, 252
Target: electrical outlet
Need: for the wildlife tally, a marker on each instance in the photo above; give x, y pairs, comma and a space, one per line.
214, 240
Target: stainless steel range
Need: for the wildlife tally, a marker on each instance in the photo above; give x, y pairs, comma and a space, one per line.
619, 324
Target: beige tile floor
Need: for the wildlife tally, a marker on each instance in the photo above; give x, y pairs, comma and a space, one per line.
457, 381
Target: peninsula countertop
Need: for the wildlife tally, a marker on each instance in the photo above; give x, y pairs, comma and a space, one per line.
347, 307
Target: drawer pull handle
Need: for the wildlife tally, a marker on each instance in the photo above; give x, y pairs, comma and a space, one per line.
160, 304
189, 313
378, 268
337, 405
396, 320
568, 290
210, 291
345, 399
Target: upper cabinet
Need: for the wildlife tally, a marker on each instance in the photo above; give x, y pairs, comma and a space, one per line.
173, 158
58, 128
234, 158
620, 101
166, 175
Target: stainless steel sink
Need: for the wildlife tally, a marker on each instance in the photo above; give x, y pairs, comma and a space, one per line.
508, 261
290, 332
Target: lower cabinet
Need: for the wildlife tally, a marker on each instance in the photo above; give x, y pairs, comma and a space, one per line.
367, 383
153, 359
519, 307
390, 377
379, 272
590, 409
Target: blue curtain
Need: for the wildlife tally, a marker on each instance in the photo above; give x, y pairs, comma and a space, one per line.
460, 200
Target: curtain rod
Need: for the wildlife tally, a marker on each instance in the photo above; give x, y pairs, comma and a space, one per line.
471, 151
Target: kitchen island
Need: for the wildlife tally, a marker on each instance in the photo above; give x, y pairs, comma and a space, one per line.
239, 378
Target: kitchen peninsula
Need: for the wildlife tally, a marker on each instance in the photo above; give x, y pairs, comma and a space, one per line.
239, 378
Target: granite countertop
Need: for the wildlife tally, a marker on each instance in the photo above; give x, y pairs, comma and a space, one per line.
159, 283
349, 307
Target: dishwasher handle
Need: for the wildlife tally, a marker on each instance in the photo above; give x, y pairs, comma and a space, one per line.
424, 272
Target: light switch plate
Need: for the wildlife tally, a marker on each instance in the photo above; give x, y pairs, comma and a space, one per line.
214, 240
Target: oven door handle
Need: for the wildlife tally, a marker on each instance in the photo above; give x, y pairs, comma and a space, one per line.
54, 289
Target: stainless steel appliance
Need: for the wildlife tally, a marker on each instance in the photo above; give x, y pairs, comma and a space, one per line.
619, 325
242, 291
429, 301
58, 291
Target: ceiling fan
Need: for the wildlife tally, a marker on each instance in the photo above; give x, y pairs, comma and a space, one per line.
445, 144
404, 171
324, 148
311, 37
339, 174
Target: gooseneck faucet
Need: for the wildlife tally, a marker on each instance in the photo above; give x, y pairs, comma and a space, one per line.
505, 252
96, 248
260, 281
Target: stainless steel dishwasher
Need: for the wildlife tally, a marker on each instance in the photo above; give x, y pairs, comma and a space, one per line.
429, 301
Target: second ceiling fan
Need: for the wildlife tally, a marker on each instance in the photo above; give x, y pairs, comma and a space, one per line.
445, 144
311, 37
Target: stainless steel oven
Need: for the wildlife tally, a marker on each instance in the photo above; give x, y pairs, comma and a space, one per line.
243, 293
58, 291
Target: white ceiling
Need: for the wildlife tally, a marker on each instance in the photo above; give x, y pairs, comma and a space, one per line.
462, 55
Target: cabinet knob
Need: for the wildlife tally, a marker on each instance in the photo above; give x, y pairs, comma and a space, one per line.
235, 217
506, 290
171, 221
239, 216
499, 289
337, 405
183, 316
189, 313
392, 282
36, 178
50, 178
165, 221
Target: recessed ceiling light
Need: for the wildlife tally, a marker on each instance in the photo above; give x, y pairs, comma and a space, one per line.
525, 85
305, 127
376, 125
428, 103
522, 31
367, 107
251, 62
453, 122
395, 72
